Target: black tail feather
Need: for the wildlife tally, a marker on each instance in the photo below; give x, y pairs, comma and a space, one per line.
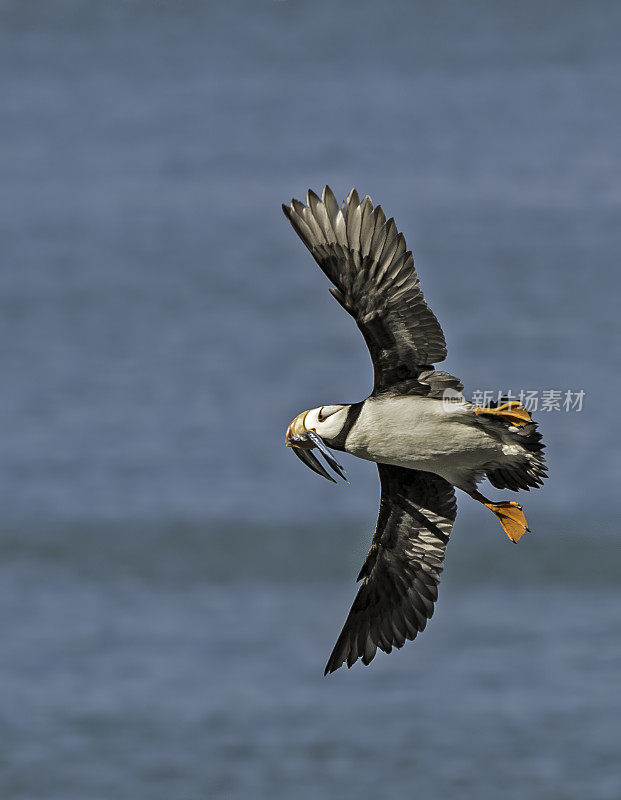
527, 470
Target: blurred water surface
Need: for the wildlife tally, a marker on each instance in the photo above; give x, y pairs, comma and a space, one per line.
172, 579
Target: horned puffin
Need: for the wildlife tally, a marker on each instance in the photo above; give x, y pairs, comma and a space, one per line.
416, 425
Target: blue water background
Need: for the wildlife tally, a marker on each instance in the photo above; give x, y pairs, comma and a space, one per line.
171, 578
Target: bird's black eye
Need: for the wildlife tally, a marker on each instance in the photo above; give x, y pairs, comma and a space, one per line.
327, 411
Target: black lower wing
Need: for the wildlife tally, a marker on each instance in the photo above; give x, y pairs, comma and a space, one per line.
401, 573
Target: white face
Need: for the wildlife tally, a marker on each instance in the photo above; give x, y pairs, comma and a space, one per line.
326, 421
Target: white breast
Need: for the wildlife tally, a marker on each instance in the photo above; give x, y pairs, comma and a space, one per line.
421, 433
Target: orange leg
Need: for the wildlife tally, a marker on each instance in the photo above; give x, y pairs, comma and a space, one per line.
509, 513
513, 412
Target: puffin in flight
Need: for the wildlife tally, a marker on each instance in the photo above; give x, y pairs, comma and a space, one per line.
425, 438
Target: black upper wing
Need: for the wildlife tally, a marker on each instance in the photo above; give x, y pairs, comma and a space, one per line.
402, 570
374, 279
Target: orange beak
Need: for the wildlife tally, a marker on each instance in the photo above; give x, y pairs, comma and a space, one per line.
297, 428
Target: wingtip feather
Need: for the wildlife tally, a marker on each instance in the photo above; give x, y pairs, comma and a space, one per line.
311, 197
327, 194
352, 198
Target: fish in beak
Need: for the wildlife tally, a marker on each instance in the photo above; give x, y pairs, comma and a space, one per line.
295, 435
302, 442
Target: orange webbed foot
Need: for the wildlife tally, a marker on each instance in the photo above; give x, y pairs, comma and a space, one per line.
512, 412
511, 517
509, 514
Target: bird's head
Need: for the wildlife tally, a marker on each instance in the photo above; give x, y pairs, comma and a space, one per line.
318, 428
326, 422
